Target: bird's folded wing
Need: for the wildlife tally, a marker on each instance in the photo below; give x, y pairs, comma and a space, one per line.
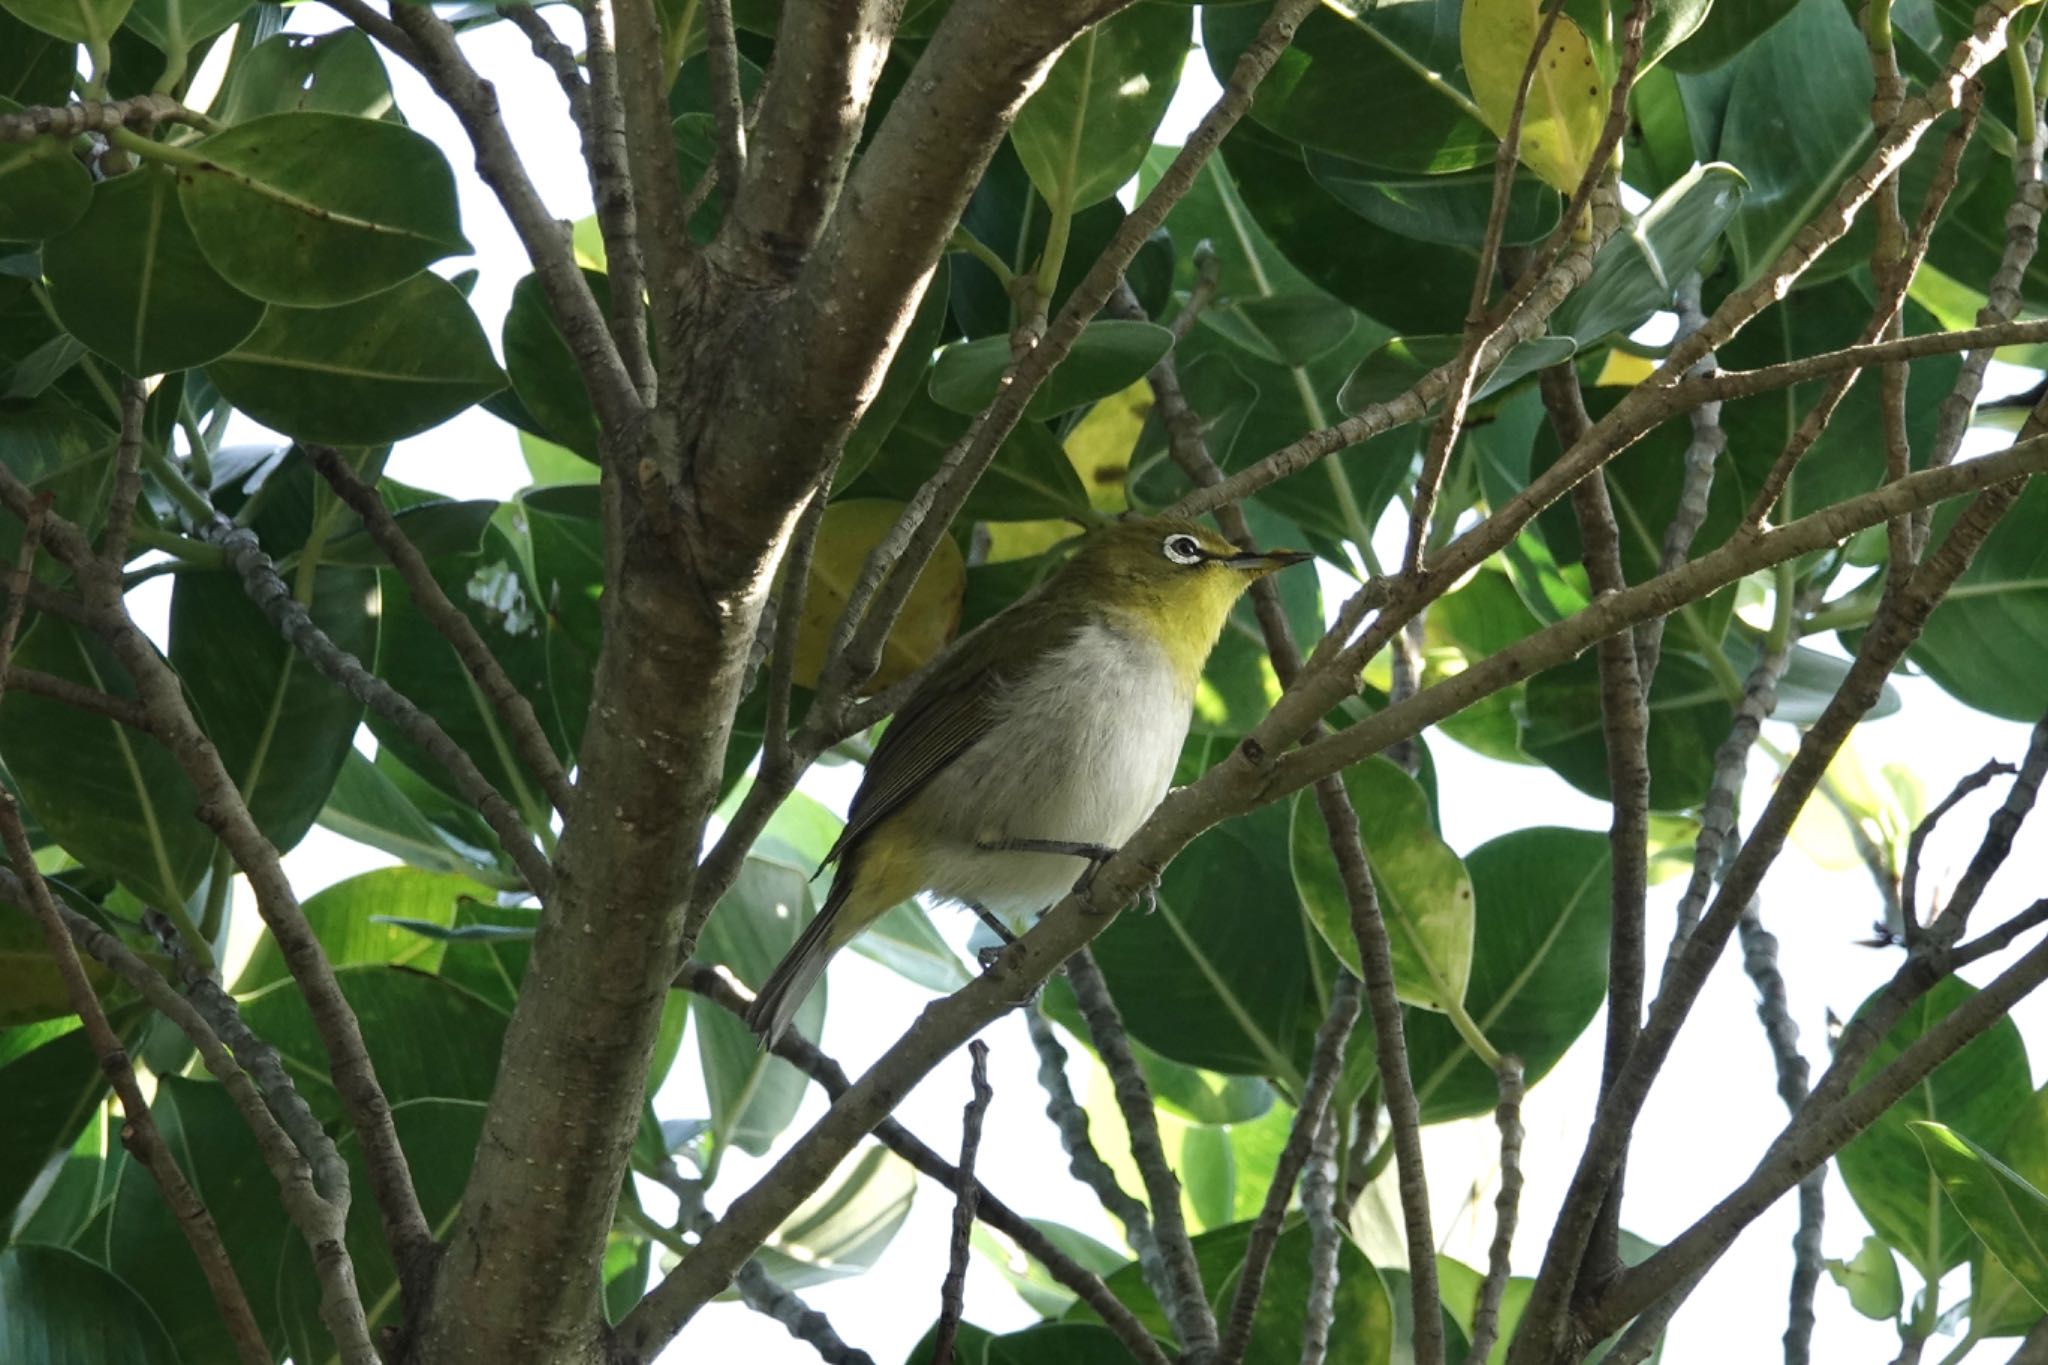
926, 735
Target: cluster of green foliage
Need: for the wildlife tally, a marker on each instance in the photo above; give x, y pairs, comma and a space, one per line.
273, 262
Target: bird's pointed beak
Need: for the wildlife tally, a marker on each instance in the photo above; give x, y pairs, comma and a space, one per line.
1267, 561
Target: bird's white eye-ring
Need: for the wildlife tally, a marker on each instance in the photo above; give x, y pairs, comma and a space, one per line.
1183, 549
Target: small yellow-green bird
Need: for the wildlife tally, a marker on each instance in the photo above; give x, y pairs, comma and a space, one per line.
1036, 747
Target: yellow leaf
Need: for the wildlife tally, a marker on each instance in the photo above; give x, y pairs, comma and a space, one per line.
1621, 370
1100, 445
845, 536
1567, 98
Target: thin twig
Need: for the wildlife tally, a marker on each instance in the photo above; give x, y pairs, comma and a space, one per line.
1507, 1116
1999, 833
721, 50
35, 683
706, 983
571, 304
1326, 1065
1443, 436
510, 705
1325, 1239
1084, 1161
1625, 730
138, 114
758, 1289
139, 1132
559, 59
1760, 961
127, 474
1702, 452
222, 808
1909, 881
1188, 1306
953, 1291
612, 196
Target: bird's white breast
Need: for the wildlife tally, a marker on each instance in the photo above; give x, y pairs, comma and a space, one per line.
1084, 750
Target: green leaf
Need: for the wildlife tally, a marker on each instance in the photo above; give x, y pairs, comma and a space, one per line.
439, 1138
1031, 478
53, 1081
1187, 1092
844, 1227
1637, 270
353, 920
1979, 1090
35, 67
493, 590
1848, 459
62, 1308
909, 373
365, 373
57, 449
753, 1093
1424, 892
436, 529
1689, 718
175, 27
1404, 284
1057, 1343
2001, 1207
164, 307
427, 1038
282, 729
1087, 127
1438, 208
1872, 1278
1809, 73
1539, 965
1729, 27
1283, 329
208, 1138
43, 188
75, 21
1395, 367
1034, 1284
1382, 84
491, 947
1987, 643
1107, 356
113, 797
1218, 977
1364, 1316
31, 987
1566, 104
543, 370
367, 806
333, 73
316, 209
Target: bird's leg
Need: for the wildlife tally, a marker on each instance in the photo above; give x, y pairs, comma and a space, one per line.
988, 956
1096, 854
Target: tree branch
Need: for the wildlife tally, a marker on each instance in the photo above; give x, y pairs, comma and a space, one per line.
954, 1290
161, 693
1625, 729
1882, 647
611, 195
706, 983
1085, 1162
529, 741
1507, 1116
1326, 1065
1326, 1240
571, 304
1188, 1303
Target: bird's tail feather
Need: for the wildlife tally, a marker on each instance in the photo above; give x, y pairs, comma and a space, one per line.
786, 988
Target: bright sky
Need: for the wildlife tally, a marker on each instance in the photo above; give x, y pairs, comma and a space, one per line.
1711, 1116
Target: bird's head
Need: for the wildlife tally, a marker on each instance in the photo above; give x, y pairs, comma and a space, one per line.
1171, 578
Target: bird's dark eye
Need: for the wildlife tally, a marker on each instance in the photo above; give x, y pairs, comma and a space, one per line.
1183, 549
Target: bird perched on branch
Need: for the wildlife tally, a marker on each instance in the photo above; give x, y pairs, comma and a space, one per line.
1036, 747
